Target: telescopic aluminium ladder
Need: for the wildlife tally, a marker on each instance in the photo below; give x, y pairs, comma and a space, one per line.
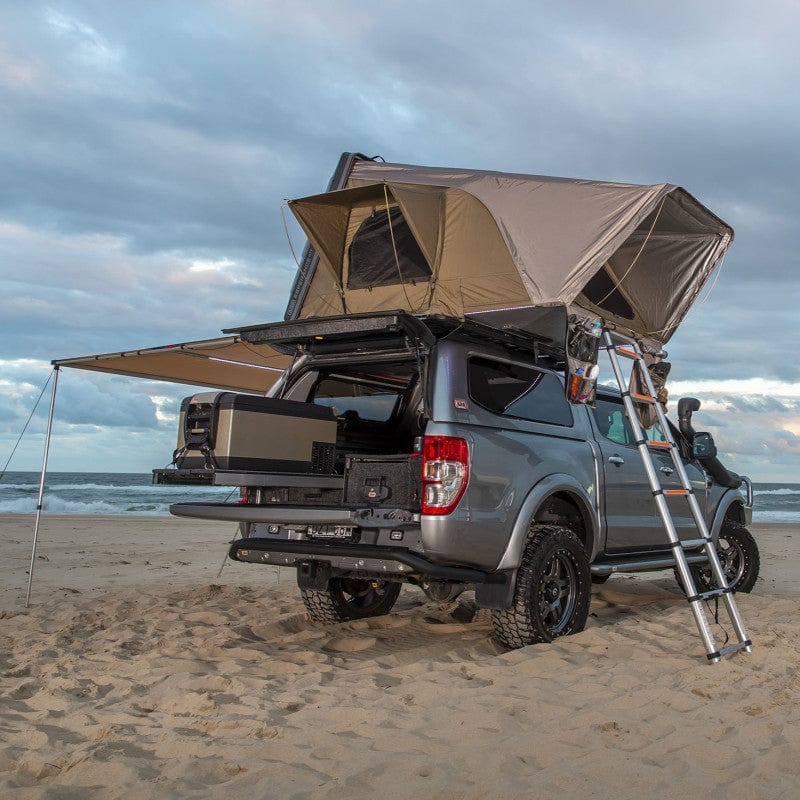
630, 348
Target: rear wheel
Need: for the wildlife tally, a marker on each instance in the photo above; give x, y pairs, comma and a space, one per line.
738, 556
350, 598
552, 593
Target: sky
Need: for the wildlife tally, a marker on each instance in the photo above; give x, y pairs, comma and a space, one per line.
146, 150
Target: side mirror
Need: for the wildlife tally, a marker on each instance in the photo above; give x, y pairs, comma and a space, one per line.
703, 446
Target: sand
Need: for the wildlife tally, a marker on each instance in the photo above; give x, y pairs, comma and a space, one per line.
138, 673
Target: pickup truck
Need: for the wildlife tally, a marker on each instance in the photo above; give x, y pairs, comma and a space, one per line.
444, 453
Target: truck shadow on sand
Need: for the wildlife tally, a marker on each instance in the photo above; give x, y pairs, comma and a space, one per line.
420, 629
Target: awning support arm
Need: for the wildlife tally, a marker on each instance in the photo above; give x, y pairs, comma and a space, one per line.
41, 483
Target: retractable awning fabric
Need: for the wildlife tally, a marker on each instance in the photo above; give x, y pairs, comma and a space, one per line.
636, 256
223, 363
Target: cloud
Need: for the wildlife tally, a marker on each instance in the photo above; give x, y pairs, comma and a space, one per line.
77, 294
145, 158
101, 423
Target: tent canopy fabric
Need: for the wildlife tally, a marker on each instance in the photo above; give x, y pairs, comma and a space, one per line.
635, 256
223, 363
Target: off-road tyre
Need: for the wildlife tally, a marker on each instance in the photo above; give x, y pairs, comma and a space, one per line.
350, 598
552, 593
738, 553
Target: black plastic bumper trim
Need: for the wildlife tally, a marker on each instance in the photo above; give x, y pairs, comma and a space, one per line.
305, 547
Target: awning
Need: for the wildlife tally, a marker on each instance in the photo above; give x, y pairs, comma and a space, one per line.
223, 363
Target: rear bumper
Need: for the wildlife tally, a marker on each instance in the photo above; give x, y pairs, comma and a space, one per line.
354, 557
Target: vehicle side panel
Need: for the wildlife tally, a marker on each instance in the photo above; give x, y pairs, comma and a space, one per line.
508, 458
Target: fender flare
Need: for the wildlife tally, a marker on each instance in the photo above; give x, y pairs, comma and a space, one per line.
557, 482
730, 499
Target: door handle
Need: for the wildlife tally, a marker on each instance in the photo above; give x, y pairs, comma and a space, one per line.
618, 460
666, 470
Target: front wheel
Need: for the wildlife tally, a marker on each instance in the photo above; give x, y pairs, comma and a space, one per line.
738, 556
552, 593
350, 598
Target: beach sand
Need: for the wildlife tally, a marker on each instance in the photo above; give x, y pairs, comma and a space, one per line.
138, 673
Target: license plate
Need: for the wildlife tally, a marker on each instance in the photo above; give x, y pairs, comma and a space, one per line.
331, 532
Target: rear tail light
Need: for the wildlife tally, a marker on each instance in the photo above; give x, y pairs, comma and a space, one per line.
445, 473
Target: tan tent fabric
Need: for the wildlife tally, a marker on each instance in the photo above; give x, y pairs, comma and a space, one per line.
224, 363
460, 282
497, 241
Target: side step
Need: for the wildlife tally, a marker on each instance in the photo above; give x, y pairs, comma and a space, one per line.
643, 564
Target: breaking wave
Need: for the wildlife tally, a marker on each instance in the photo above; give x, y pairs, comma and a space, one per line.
99, 493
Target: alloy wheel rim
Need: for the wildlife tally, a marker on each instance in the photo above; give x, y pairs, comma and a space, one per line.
558, 593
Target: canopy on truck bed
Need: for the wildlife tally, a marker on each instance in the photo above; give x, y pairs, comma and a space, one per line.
460, 242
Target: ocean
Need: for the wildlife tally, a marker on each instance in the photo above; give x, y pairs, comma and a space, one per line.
100, 493
133, 493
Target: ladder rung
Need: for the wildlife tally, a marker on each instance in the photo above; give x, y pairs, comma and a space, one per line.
642, 398
678, 492
623, 351
663, 445
709, 594
731, 648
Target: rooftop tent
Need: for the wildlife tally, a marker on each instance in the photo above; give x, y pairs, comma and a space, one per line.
223, 363
636, 256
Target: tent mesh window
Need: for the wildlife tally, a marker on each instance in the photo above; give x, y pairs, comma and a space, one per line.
372, 256
601, 290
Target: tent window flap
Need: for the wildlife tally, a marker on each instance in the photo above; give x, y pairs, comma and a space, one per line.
372, 259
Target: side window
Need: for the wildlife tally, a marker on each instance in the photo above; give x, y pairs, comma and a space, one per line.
512, 390
610, 419
655, 434
613, 424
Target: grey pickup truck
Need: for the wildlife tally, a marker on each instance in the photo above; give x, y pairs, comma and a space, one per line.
444, 453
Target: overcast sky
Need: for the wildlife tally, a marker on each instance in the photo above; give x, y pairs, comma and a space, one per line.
146, 148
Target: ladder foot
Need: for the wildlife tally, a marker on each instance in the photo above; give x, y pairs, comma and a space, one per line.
746, 645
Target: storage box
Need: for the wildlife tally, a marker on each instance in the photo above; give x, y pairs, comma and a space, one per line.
230, 431
384, 481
